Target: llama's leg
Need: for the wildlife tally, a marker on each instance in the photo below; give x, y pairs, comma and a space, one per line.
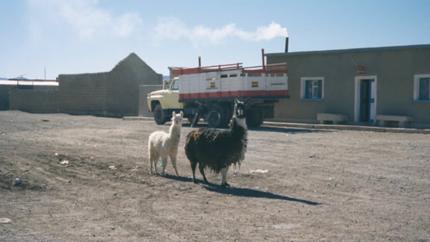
224, 177
163, 164
151, 168
153, 157
173, 159
236, 168
155, 162
202, 171
193, 169
150, 163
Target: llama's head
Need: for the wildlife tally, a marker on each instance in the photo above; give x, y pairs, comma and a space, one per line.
239, 109
177, 118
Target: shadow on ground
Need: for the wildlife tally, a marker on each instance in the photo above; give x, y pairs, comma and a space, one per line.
269, 129
288, 130
242, 192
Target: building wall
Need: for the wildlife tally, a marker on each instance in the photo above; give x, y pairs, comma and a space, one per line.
124, 82
36, 100
4, 97
83, 93
394, 68
114, 93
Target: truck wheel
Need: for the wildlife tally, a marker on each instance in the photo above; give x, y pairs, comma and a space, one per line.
160, 116
217, 117
254, 118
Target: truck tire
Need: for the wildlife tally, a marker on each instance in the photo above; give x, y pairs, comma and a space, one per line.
217, 117
254, 118
160, 116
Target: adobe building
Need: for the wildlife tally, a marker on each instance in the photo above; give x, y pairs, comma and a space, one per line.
362, 86
30, 95
114, 93
119, 92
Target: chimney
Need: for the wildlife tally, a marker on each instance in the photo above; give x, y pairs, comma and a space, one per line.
286, 45
263, 64
200, 62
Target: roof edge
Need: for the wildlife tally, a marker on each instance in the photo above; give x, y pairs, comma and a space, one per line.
338, 51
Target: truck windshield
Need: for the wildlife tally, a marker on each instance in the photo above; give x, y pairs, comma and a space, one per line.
174, 85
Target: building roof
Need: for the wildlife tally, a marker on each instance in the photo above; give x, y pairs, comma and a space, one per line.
12, 82
131, 61
353, 50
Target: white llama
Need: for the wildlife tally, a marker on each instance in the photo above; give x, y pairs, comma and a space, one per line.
163, 145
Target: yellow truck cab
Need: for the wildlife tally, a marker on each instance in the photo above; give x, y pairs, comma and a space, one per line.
163, 102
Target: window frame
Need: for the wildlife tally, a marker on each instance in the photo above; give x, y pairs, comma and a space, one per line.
417, 79
303, 90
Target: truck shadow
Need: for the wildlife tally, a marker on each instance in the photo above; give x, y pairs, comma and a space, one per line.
242, 192
269, 129
289, 130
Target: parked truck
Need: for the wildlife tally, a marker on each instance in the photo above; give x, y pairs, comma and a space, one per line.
208, 93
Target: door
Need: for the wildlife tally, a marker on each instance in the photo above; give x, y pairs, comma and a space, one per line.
365, 99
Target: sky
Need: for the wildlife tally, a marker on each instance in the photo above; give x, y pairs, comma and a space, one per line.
84, 36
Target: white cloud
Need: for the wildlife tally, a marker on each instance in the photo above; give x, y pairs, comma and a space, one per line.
87, 18
173, 28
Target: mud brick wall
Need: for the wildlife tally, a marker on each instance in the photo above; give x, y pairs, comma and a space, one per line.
4, 97
83, 93
114, 93
35, 100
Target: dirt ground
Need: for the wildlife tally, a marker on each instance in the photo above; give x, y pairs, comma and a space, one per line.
319, 185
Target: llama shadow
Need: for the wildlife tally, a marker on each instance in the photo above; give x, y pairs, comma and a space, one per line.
248, 192
242, 192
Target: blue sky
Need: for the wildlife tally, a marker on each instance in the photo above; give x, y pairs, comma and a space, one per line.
77, 36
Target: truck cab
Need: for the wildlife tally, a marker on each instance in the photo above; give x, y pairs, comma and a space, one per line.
163, 102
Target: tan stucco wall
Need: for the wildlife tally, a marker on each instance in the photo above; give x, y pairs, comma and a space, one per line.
395, 70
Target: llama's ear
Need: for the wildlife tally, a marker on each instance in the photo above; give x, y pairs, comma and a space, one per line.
173, 113
182, 114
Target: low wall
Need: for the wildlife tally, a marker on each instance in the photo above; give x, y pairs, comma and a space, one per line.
37, 100
4, 97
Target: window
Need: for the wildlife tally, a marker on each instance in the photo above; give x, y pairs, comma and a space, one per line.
254, 74
233, 75
312, 88
224, 76
422, 88
211, 85
174, 85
